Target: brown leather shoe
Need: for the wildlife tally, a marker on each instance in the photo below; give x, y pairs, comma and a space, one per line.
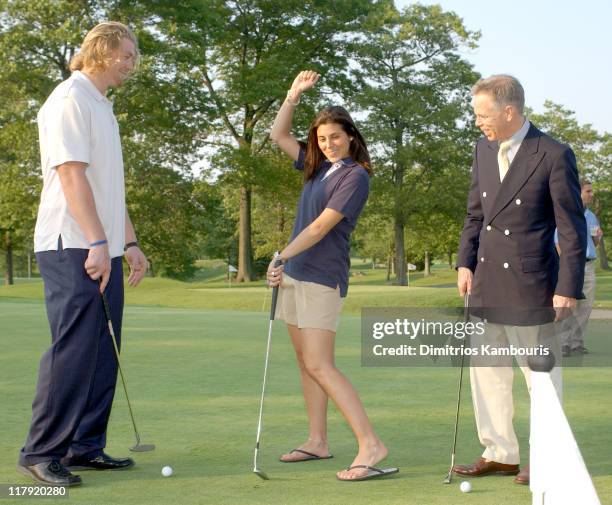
523, 476
482, 467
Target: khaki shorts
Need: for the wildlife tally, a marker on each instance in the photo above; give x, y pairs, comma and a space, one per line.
308, 304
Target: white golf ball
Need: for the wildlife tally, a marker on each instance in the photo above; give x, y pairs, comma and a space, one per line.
465, 486
167, 471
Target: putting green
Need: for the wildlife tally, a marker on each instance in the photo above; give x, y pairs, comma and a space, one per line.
195, 376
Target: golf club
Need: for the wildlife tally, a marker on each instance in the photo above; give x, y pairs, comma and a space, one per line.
256, 470
138, 447
466, 316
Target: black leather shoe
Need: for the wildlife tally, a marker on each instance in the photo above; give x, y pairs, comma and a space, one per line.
101, 462
50, 472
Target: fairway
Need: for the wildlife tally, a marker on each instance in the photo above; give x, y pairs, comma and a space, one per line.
194, 378
178, 171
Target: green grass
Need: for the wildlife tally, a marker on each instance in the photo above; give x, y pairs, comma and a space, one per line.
368, 288
603, 289
194, 377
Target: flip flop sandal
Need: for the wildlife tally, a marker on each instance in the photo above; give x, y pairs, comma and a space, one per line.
309, 457
373, 473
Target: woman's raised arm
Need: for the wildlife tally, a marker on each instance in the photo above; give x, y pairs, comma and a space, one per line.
281, 129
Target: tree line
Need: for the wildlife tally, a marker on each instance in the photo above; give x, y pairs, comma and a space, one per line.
202, 177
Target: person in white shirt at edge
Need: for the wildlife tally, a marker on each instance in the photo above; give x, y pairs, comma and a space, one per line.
574, 328
82, 231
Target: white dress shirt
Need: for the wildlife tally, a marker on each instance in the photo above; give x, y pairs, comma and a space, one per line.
517, 139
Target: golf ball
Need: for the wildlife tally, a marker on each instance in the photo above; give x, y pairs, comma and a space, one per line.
465, 486
167, 471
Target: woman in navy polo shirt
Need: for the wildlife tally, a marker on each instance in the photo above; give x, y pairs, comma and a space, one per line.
314, 274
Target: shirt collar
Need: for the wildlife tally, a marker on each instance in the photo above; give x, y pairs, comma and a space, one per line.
520, 135
89, 86
344, 161
332, 167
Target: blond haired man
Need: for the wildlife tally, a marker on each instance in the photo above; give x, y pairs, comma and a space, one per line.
82, 231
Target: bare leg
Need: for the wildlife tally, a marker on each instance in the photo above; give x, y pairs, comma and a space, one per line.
316, 407
317, 347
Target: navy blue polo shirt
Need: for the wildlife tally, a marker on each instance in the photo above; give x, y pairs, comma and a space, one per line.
344, 187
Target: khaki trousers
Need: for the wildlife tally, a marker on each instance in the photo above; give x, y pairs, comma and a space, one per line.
492, 388
574, 328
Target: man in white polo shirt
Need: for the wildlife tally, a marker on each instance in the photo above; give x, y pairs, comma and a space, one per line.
82, 231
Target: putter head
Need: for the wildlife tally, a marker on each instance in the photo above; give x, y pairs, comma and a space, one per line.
260, 473
448, 478
143, 447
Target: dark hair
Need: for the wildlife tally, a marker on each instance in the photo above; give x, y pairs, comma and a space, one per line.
358, 149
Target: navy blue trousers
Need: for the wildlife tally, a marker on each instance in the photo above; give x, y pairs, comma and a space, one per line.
78, 373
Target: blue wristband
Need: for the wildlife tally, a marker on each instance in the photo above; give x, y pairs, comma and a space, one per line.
99, 242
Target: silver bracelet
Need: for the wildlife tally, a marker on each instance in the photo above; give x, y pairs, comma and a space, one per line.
290, 96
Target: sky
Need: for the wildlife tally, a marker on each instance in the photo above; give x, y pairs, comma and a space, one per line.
560, 50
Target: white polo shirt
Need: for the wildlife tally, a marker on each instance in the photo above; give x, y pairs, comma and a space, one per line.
77, 123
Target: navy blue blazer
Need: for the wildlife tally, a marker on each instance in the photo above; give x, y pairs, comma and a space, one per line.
508, 234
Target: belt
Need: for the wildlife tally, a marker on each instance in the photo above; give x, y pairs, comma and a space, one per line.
590, 259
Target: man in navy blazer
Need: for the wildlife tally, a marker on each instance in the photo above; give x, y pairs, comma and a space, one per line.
524, 183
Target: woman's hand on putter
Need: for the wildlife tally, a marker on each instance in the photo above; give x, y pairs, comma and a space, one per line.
98, 265
275, 274
138, 265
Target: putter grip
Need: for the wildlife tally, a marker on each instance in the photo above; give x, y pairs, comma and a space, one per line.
107, 311
277, 263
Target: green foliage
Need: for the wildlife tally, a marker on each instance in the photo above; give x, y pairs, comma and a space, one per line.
603, 185
561, 123
218, 225
275, 204
165, 216
373, 237
593, 153
245, 55
160, 112
414, 87
211, 77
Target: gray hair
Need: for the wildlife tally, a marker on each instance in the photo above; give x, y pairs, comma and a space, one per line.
505, 90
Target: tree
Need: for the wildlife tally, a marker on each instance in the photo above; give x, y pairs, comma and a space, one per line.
275, 204
19, 158
245, 54
414, 87
593, 155
19, 194
561, 124
162, 205
160, 112
603, 196
217, 235
374, 237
